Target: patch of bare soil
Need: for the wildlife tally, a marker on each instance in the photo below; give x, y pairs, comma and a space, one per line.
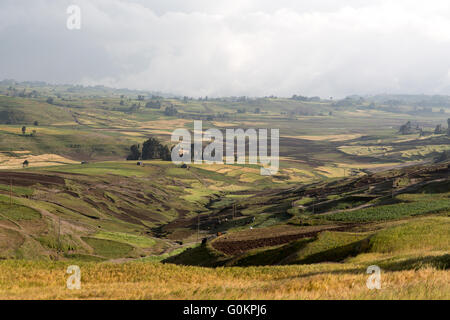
232, 247
28, 179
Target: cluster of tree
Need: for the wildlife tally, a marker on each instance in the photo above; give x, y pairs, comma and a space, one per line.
439, 129
302, 111
22, 93
154, 104
407, 128
24, 131
303, 98
151, 149
170, 111
423, 110
135, 107
135, 152
347, 102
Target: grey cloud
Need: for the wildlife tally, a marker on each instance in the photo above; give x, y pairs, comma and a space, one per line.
199, 47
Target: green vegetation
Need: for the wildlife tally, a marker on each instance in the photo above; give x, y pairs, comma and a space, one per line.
108, 248
393, 211
329, 246
23, 191
138, 241
203, 255
271, 256
421, 234
17, 212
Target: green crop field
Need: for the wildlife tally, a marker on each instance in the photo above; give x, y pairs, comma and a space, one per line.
393, 211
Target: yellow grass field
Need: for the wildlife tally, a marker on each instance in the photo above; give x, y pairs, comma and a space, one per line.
146, 280
43, 160
336, 137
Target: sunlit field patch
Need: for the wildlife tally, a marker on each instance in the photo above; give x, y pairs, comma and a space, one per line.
337, 137
43, 160
146, 280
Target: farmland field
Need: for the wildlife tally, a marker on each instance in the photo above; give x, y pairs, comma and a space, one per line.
351, 191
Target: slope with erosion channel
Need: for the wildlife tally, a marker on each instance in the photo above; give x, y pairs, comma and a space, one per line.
357, 205
101, 210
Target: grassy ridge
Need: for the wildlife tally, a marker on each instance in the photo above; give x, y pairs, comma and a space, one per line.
393, 211
331, 246
423, 234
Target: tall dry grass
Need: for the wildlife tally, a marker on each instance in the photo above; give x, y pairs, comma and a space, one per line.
137, 280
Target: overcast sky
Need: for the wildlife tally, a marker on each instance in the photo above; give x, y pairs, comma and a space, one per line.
232, 47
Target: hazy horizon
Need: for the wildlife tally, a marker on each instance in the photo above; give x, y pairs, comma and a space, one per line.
232, 48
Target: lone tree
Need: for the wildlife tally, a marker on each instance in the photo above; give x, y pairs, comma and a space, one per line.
24, 129
25, 164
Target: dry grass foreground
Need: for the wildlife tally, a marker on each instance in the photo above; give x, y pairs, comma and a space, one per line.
144, 280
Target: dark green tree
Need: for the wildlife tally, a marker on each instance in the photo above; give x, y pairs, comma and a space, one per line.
170, 111
153, 149
406, 128
135, 153
153, 104
165, 153
150, 149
